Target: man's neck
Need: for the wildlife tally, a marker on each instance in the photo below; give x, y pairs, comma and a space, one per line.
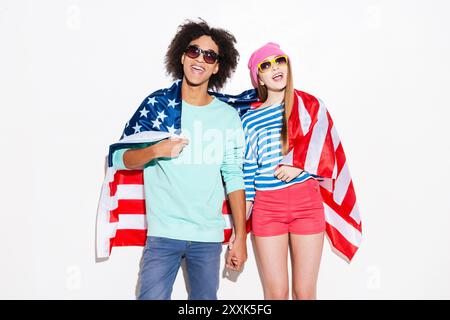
195, 95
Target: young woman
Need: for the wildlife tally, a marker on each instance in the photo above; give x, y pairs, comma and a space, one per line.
286, 204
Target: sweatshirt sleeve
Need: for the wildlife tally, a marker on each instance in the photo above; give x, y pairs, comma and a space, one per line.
231, 167
117, 159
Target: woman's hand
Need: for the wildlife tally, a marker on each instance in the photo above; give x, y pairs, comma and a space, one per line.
287, 173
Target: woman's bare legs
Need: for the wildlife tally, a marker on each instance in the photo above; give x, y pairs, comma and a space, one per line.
271, 257
306, 253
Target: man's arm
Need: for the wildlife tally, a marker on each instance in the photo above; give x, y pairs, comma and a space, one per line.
135, 159
234, 183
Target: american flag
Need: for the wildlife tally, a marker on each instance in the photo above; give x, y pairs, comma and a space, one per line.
121, 219
316, 148
314, 145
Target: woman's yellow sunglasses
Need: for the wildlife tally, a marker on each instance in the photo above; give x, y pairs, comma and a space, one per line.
267, 64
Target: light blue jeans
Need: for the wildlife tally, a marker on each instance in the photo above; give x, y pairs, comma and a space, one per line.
162, 260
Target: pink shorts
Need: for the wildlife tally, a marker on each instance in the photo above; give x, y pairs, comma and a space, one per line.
295, 209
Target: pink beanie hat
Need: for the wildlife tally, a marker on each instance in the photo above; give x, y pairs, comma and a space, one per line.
269, 49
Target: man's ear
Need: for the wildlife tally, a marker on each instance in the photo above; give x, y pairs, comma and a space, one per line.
216, 69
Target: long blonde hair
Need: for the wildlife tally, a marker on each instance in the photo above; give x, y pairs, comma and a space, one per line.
288, 103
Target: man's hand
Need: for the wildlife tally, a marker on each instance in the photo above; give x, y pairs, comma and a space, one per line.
171, 148
237, 254
237, 249
287, 173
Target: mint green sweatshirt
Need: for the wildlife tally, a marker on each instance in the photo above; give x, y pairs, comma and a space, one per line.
184, 195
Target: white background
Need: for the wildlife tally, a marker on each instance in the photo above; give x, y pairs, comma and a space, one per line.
73, 72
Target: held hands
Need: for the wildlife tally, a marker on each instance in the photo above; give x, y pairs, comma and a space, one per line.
236, 254
287, 173
171, 148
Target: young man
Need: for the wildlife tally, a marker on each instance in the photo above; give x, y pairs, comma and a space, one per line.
183, 176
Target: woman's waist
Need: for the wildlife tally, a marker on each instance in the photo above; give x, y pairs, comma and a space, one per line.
270, 182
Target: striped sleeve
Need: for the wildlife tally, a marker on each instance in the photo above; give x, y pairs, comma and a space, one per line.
250, 166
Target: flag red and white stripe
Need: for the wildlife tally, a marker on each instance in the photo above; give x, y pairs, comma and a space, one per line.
316, 148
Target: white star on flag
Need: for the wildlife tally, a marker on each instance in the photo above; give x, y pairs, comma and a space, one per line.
151, 100
173, 103
178, 81
144, 112
172, 129
232, 100
156, 123
161, 115
137, 128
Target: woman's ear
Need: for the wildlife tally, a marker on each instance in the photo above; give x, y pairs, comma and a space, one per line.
260, 82
182, 59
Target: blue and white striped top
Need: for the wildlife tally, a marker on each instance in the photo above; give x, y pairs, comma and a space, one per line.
262, 128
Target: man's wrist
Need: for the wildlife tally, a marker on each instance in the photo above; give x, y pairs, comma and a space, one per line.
153, 151
240, 236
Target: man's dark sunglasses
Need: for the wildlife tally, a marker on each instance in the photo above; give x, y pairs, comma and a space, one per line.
193, 52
